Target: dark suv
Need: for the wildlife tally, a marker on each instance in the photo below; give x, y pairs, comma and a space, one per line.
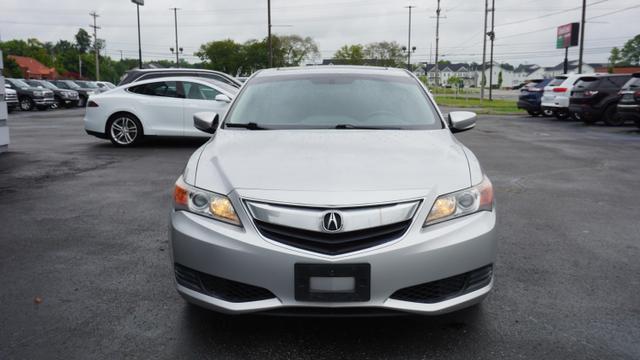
63, 97
146, 74
530, 98
31, 97
629, 102
595, 97
83, 93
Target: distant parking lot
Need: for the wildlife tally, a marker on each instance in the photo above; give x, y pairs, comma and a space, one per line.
86, 269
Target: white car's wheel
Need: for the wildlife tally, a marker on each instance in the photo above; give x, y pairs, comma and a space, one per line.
124, 130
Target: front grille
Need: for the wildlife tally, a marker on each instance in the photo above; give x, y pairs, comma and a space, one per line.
11, 97
227, 290
444, 289
332, 243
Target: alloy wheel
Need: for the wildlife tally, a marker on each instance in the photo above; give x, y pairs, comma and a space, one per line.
25, 104
124, 131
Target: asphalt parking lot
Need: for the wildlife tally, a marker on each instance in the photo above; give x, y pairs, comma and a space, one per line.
85, 270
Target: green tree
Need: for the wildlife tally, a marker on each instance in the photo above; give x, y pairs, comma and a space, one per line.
385, 53
223, 55
351, 54
83, 41
11, 68
454, 81
294, 49
631, 51
614, 58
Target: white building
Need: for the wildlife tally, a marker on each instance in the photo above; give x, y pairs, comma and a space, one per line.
444, 72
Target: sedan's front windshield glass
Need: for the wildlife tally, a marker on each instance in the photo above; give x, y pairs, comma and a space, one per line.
343, 101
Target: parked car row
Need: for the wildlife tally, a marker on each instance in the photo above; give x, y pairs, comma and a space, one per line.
44, 94
611, 98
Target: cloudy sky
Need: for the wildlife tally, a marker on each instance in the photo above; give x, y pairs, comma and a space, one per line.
525, 30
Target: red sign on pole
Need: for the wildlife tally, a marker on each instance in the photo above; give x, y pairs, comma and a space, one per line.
567, 35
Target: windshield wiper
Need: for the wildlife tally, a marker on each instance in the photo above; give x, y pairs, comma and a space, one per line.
359, 127
249, 125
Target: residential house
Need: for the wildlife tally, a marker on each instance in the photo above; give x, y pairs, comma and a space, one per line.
444, 72
33, 69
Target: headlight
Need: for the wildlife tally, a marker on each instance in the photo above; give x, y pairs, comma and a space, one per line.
205, 203
461, 203
38, 93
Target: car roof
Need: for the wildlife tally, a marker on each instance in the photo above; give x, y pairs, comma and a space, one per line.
174, 70
333, 69
219, 85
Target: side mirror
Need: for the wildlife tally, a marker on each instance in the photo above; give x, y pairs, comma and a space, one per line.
462, 121
223, 98
206, 121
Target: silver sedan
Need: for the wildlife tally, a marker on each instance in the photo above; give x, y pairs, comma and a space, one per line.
333, 189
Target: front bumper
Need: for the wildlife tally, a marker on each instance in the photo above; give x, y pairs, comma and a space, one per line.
629, 109
44, 101
421, 256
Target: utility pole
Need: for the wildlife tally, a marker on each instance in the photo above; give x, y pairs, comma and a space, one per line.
483, 79
409, 40
584, 10
138, 3
492, 36
121, 57
437, 41
95, 42
80, 66
175, 19
269, 33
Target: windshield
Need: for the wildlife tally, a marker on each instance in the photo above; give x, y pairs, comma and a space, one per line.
557, 81
71, 84
41, 83
87, 84
19, 83
323, 101
48, 85
632, 84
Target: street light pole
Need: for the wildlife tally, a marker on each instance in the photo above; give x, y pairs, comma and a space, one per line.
175, 18
269, 33
437, 41
492, 36
409, 40
138, 3
483, 78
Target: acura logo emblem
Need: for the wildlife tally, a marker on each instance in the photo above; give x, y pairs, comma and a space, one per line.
332, 221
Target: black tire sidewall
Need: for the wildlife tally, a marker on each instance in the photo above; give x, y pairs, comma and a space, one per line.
611, 117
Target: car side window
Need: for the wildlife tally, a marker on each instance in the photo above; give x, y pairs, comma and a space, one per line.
160, 88
199, 92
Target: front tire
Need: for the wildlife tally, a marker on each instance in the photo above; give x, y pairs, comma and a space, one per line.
547, 112
124, 130
26, 104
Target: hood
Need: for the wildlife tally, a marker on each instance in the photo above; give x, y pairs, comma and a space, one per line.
333, 166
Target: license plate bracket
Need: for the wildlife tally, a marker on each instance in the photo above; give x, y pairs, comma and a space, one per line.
361, 273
